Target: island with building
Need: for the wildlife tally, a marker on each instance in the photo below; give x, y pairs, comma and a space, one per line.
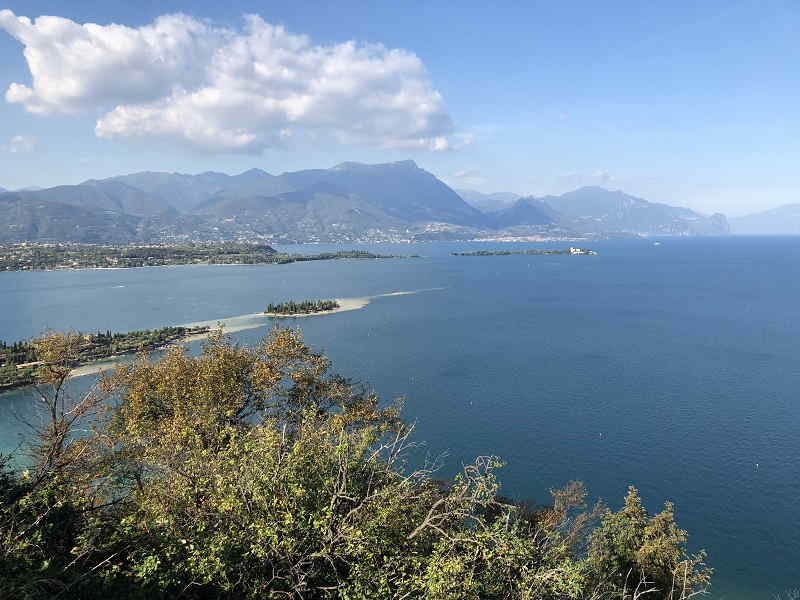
306, 307
20, 362
569, 251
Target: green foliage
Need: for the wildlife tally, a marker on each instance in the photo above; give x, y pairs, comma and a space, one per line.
301, 308
630, 548
256, 473
73, 349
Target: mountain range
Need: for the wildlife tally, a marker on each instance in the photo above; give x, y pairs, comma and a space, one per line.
349, 202
488, 202
783, 220
596, 210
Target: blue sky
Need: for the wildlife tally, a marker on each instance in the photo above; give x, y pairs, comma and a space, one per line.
691, 103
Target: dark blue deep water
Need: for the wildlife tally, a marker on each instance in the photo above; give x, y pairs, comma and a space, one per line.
671, 366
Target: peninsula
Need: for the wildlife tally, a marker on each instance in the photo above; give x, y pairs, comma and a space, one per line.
306, 307
20, 361
571, 251
30, 257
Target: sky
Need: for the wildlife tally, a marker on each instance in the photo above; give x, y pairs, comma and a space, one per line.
689, 103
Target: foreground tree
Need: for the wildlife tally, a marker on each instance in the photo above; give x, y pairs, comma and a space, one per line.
255, 473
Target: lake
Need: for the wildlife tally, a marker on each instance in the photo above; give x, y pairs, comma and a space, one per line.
671, 366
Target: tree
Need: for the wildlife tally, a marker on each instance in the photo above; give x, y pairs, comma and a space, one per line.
637, 552
257, 473
44, 510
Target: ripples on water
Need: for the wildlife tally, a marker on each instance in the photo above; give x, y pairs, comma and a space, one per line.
672, 367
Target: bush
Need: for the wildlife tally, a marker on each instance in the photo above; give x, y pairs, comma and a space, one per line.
255, 473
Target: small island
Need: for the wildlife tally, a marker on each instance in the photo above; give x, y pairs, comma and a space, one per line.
571, 251
306, 307
20, 363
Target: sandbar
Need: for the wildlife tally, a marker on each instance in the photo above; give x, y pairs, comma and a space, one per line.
243, 323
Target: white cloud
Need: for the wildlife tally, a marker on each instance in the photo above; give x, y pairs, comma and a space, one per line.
218, 89
570, 181
464, 177
20, 144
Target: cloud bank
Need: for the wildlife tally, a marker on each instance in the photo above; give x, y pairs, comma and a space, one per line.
466, 177
20, 144
184, 80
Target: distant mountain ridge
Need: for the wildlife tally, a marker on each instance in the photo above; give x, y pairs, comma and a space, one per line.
606, 211
781, 220
185, 193
527, 211
349, 202
28, 219
488, 202
596, 210
343, 203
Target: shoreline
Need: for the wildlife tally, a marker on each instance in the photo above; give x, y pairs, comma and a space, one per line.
233, 324
95, 365
262, 264
79, 258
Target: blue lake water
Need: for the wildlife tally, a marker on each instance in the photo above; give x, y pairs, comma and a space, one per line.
672, 367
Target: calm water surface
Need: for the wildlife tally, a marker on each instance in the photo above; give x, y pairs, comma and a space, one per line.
670, 366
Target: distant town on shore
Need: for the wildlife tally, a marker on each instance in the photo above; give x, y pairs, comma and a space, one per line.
570, 251
349, 203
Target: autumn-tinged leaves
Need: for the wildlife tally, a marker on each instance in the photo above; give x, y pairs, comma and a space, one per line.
255, 473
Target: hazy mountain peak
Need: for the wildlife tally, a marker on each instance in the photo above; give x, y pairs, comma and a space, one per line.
591, 188
595, 209
781, 220
350, 165
488, 202
525, 211
789, 210
604, 210
597, 190
255, 172
410, 164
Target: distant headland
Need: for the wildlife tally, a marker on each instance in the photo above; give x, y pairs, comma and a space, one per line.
35, 257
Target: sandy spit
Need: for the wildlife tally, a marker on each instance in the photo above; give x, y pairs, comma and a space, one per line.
243, 323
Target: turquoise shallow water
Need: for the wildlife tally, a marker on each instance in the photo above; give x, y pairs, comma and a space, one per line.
670, 366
